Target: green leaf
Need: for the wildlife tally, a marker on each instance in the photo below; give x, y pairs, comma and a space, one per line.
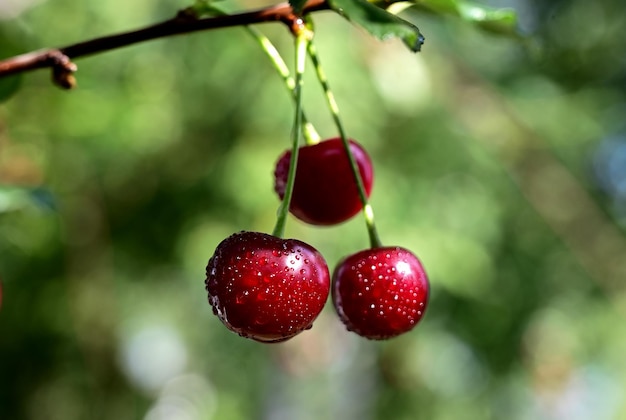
297, 5
9, 86
447, 7
202, 8
16, 198
502, 21
378, 22
42, 198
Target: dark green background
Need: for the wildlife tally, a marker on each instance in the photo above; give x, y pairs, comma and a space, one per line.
497, 162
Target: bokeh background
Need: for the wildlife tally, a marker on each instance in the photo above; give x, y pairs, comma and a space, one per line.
500, 162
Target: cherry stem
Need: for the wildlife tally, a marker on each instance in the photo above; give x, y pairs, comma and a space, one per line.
184, 22
303, 36
311, 135
368, 212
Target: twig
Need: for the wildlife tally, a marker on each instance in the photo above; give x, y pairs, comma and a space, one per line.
60, 59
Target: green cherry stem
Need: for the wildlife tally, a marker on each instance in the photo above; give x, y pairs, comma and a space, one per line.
311, 135
302, 41
368, 212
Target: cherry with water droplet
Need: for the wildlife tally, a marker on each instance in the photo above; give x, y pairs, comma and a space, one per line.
266, 288
380, 293
325, 192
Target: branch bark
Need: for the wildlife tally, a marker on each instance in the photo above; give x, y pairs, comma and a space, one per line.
60, 59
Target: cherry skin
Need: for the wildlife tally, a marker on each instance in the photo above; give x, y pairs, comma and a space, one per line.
266, 288
380, 293
325, 192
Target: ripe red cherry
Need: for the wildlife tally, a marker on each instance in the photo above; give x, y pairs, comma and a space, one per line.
266, 288
325, 192
380, 293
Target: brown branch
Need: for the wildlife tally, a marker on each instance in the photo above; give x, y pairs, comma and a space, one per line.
59, 59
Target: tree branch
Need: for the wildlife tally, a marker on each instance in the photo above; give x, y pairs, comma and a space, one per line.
59, 59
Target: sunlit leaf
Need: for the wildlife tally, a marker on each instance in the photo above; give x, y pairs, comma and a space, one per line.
378, 22
449, 7
16, 198
498, 20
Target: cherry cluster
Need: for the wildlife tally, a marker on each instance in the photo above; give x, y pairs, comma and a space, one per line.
270, 289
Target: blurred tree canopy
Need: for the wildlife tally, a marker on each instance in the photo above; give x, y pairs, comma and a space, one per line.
500, 161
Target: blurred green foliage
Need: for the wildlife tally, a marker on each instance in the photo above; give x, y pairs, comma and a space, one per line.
500, 162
